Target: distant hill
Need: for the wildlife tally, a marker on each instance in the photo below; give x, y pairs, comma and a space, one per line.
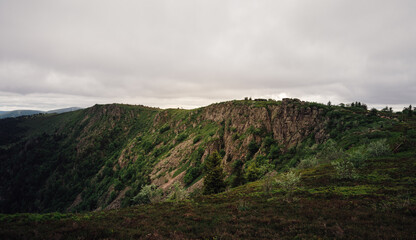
63, 110
18, 113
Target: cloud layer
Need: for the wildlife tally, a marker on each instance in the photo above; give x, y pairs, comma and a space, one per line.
190, 53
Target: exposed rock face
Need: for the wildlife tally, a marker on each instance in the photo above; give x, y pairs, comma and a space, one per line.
289, 122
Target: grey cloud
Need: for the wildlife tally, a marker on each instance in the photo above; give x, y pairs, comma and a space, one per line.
191, 53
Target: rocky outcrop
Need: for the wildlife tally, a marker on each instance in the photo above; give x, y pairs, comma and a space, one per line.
289, 122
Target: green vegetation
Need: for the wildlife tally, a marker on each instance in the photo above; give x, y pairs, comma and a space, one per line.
322, 206
214, 179
344, 171
288, 182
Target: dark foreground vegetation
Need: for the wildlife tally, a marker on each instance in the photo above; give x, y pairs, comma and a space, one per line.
357, 181
379, 204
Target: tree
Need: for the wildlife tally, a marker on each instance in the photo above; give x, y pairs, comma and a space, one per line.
238, 178
214, 179
373, 112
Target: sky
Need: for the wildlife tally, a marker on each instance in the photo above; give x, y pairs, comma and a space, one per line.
191, 53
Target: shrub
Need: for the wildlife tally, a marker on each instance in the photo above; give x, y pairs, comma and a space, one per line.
235, 136
164, 129
252, 149
330, 151
197, 155
255, 169
268, 184
252, 171
113, 196
192, 174
357, 157
274, 152
268, 142
147, 146
222, 153
181, 137
197, 139
308, 162
289, 182
378, 148
118, 186
344, 168
179, 193
237, 177
149, 194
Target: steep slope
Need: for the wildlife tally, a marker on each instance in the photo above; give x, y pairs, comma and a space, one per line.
101, 157
47, 160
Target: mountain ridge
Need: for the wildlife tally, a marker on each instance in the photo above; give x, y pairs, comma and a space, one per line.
19, 113
105, 153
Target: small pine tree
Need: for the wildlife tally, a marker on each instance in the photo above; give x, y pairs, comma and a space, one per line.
214, 179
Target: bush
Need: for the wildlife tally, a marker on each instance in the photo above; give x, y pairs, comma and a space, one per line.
181, 137
147, 146
179, 193
197, 139
357, 158
344, 168
308, 162
268, 184
192, 174
118, 186
164, 129
330, 151
289, 181
113, 196
252, 171
255, 169
268, 142
378, 148
252, 149
235, 136
149, 194
274, 152
237, 177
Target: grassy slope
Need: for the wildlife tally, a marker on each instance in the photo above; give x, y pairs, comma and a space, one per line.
381, 204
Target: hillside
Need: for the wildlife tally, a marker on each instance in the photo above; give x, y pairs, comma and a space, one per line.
111, 156
100, 157
379, 204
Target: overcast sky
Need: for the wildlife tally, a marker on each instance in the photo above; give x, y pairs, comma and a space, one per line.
190, 53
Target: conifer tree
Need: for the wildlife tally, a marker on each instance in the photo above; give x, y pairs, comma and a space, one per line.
214, 179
